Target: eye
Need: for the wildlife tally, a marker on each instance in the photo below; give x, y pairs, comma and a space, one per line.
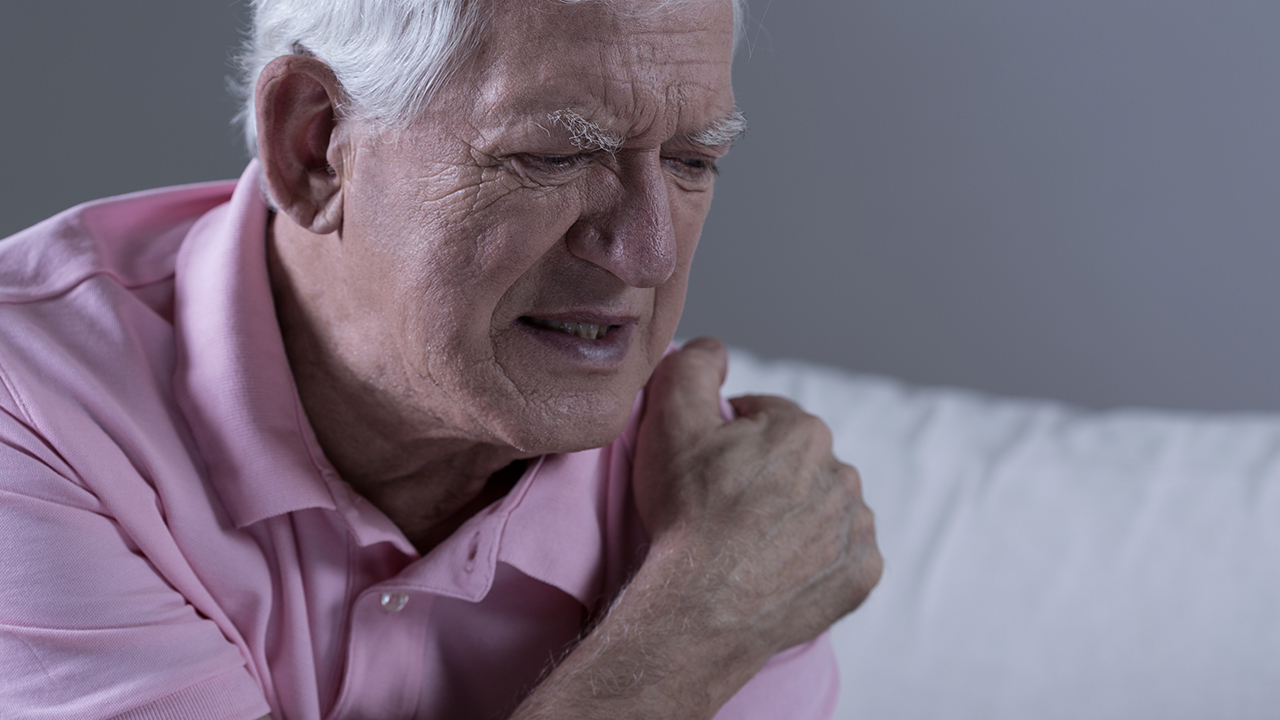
554, 162
693, 167
702, 165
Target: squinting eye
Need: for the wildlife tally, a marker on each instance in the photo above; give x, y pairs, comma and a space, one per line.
695, 166
555, 162
703, 164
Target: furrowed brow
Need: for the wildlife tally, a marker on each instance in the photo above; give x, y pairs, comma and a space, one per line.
585, 134
724, 131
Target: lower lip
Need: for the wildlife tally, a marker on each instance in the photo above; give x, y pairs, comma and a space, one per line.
604, 353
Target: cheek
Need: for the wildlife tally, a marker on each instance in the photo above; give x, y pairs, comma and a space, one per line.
513, 236
454, 245
688, 213
486, 269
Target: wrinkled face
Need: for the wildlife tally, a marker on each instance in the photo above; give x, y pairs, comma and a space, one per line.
516, 260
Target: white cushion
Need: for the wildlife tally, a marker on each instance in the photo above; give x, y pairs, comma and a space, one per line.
1048, 562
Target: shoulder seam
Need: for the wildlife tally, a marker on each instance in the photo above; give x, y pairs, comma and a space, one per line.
77, 282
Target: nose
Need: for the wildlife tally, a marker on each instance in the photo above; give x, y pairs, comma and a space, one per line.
631, 235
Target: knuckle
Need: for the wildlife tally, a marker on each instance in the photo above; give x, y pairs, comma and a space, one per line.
781, 402
852, 479
819, 430
778, 406
865, 523
808, 430
873, 570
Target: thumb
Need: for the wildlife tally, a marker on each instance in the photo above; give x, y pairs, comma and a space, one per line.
684, 393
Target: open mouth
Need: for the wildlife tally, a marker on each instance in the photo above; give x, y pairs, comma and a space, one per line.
586, 331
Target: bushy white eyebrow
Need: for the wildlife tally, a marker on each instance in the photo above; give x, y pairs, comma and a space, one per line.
585, 134
723, 131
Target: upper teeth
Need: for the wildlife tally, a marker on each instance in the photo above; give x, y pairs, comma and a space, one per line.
586, 331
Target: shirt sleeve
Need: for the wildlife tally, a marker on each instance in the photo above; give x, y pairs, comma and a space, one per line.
802, 683
88, 628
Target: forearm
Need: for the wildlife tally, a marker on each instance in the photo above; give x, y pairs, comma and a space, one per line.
658, 653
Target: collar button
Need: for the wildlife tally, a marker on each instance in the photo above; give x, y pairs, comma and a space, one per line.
394, 602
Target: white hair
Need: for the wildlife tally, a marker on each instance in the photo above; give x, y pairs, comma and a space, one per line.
389, 56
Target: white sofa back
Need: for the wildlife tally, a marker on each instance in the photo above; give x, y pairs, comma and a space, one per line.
1047, 562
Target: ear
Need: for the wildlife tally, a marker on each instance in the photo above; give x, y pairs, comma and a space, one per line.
296, 101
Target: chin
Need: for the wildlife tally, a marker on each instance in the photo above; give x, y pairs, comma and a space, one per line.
569, 425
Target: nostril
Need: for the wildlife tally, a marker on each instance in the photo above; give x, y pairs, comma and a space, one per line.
639, 254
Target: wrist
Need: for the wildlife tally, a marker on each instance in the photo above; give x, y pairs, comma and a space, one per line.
664, 650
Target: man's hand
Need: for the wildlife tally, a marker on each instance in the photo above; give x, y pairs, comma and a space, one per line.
767, 529
760, 541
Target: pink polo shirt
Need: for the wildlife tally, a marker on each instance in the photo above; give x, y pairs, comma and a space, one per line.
173, 543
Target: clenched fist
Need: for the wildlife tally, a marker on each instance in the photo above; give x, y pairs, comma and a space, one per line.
760, 541
762, 531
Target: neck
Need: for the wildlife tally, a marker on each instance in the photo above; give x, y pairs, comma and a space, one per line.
408, 463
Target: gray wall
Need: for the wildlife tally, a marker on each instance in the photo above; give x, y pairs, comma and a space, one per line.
101, 98
1067, 199
1077, 199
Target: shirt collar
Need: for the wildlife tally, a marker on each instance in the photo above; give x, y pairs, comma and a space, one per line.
233, 381
569, 522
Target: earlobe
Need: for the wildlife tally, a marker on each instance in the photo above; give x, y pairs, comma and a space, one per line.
298, 141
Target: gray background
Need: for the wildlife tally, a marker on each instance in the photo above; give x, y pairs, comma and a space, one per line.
1078, 200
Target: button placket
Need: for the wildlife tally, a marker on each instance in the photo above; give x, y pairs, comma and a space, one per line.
384, 673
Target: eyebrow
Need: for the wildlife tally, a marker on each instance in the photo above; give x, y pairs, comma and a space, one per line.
587, 135
724, 131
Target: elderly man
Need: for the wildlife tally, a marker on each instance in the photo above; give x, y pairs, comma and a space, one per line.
362, 435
